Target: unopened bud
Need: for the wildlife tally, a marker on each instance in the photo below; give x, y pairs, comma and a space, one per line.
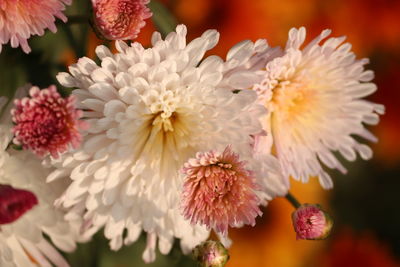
311, 222
14, 203
211, 254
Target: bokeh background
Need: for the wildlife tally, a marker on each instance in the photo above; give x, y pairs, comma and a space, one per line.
364, 203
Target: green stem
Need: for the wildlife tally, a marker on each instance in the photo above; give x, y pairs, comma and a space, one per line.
94, 249
295, 203
73, 20
162, 18
77, 20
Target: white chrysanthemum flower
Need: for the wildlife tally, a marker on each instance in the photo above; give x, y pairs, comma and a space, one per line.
150, 110
22, 242
314, 97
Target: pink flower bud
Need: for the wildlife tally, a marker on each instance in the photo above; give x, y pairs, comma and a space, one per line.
211, 254
14, 203
46, 123
119, 19
311, 222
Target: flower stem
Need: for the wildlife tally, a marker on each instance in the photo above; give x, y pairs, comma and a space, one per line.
295, 203
77, 20
162, 18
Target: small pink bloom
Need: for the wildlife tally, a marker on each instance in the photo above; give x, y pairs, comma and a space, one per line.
219, 191
20, 19
119, 19
311, 222
14, 203
46, 122
211, 254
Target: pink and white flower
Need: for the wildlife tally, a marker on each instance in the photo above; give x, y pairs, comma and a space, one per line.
21, 19
311, 222
315, 97
219, 191
119, 19
46, 123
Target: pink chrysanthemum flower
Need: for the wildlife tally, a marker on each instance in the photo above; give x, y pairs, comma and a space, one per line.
46, 123
14, 203
311, 222
219, 191
119, 19
20, 19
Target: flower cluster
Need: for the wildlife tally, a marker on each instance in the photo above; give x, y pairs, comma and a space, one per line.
149, 111
168, 141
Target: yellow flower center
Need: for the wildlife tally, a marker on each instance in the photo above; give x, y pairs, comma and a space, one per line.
292, 100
